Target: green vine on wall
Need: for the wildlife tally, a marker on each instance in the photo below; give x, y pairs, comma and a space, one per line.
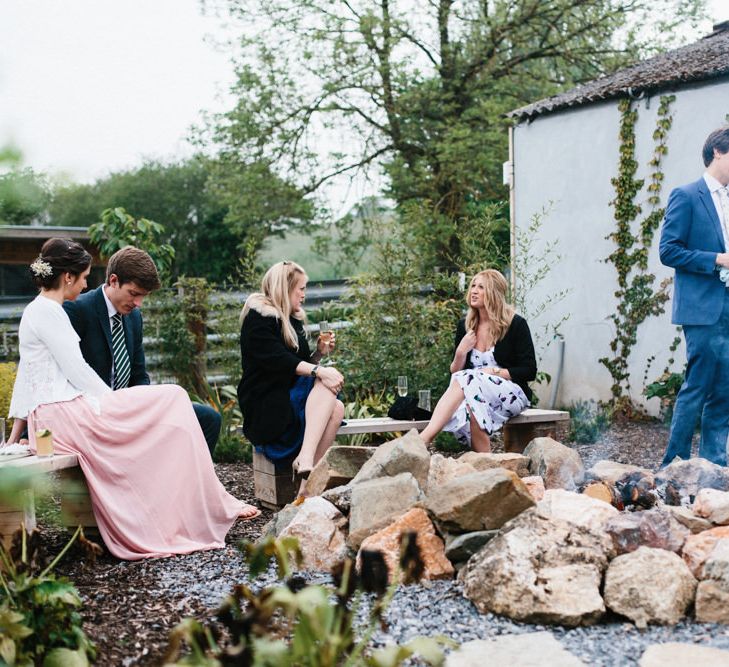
636, 297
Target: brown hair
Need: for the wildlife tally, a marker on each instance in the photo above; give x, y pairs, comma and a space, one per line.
58, 256
499, 312
718, 140
132, 265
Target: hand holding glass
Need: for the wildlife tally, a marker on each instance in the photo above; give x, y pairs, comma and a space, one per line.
402, 385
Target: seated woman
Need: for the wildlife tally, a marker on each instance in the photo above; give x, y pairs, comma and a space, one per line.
289, 402
153, 487
493, 361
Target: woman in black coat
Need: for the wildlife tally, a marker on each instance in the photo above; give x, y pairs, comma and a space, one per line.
289, 402
492, 363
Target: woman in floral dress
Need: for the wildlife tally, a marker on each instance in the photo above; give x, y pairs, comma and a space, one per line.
492, 363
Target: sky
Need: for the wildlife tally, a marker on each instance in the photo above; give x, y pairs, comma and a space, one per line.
88, 87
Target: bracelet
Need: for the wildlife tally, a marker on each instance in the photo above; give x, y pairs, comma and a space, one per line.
314, 371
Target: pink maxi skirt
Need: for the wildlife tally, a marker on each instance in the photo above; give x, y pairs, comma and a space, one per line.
153, 487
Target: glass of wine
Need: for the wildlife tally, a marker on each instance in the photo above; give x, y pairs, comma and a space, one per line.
325, 333
402, 385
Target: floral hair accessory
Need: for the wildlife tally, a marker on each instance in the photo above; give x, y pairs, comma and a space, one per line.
41, 268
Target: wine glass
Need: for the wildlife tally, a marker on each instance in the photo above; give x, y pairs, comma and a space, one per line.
325, 332
424, 399
402, 385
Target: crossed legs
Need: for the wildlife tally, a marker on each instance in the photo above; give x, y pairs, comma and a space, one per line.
324, 412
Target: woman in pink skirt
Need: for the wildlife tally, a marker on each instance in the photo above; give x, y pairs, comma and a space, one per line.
153, 486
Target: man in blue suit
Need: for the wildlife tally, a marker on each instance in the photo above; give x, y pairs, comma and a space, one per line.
694, 241
109, 324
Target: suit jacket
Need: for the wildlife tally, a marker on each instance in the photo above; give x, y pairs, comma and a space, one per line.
691, 237
90, 319
515, 352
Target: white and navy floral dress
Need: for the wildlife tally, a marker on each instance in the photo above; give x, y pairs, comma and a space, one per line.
490, 398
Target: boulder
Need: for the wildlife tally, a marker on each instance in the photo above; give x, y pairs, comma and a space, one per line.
535, 486
576, 508
280, 520
712, 505
712, 594
693, 475
480, 461
559, 466
340, 497
479, 501
432, 549
687, 518
443, 470
674, 653
651, 528
649, 586
716, 565
405, 454
610, 471
378, 502
337, 467
531, 649
319, 527
539, 569
459, 548
698, 547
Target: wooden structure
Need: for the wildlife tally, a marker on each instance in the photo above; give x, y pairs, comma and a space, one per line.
275, 486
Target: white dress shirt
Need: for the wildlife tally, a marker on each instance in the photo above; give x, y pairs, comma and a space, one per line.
51, 368
714, 187
111, 311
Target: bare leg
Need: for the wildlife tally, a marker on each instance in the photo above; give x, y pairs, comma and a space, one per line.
444, 410
330, 432
320, 406
480, 440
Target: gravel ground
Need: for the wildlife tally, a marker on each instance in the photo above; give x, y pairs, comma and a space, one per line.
129, 607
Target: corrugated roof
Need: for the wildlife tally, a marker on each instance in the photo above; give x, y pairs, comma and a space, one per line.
706, 59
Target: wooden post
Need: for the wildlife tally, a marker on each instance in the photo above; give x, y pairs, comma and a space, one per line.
12, 518
274, 486
76, 507
518, 436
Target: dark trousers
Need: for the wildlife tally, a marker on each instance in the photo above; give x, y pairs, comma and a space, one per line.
209, 423
704, 393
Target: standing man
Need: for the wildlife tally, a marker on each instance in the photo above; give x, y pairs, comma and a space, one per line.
694, 241
109, 325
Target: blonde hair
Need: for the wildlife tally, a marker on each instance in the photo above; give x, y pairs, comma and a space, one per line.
276, 287
494, 299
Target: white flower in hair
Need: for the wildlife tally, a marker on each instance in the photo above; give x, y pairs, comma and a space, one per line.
41, 268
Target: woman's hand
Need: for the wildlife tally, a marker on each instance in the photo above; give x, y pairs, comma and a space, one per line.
331, 378
500, 372
468, 342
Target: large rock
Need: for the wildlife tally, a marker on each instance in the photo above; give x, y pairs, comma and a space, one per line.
541, 570
687, 518
280, 520
611, 471
694, 474
656, 528
405, 454
531, 649
698, 547
674, 653
337, 467
577, 508
319, 527
712, 505
712, 594
560, 467
340, 497
378, 502
479, 501
443, 470
481, 461
459, 548
535, 486
649, 586
432, 549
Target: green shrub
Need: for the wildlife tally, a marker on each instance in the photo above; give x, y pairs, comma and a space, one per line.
7, 380
588, 420
666, 388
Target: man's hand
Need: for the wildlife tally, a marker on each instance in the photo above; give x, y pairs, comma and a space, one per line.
722, 259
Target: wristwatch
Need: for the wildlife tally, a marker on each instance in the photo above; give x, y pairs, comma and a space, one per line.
314, 371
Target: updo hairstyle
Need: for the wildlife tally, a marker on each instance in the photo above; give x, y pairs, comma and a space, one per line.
58, 256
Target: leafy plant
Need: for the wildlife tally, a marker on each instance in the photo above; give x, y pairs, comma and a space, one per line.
300, 624
367, 406
588, 420
7, 380
666, 388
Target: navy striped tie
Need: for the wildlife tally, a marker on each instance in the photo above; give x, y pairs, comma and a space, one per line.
122, 366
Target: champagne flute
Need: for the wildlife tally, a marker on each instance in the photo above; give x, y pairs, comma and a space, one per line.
402, 385
325, 332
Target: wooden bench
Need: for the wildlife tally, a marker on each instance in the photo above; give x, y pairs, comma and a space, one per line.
274, 485
75, 499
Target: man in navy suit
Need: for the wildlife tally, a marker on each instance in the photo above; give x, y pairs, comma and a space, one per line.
109, 324
694, 241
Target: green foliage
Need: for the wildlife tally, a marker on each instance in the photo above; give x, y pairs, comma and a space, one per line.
636, 297
39, 618
24, 197
366, 406
118, 229
7, 381
588, 421
298, 624
665, 388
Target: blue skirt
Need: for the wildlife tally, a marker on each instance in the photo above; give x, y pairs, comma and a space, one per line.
288, 445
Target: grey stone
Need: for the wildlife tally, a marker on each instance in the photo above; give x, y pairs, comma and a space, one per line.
280, 520
694, 474
675, 653
652, 528
712, 505
340, 497
405, 454
560, 467
337, 467
460, 548
687, 518
481, 461
610, 471
577, 508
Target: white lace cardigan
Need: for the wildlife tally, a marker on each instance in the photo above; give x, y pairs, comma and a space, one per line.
51, 367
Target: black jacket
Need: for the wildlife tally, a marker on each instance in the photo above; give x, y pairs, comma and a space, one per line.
515, 352
269, 372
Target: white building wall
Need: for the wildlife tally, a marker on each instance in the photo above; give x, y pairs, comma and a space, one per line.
568, 158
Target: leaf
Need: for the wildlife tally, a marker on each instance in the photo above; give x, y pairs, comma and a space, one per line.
65, 657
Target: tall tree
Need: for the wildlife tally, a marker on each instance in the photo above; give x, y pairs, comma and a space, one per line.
24, 196
327, 88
